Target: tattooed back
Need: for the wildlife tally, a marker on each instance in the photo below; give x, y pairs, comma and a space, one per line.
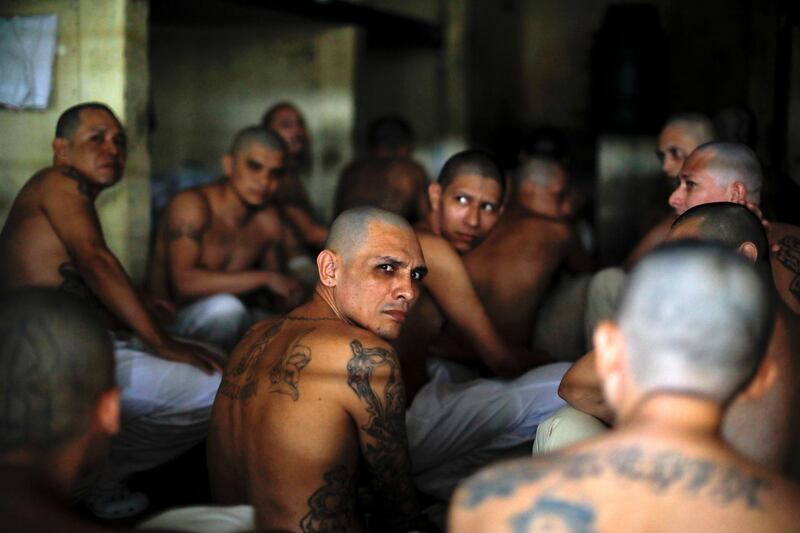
301, 399
628, 481
785, 262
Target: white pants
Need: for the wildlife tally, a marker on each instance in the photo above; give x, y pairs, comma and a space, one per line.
204, 519
165, 410
456, 428
220, 320
566, 427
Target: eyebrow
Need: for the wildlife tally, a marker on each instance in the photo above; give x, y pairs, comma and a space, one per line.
391, 260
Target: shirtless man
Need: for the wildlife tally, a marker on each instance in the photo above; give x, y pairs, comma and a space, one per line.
52, 238
682, 133
684, 346
58, 410
388, 178
515, 265
223, 240
331, 407
757, 428
292, 197
458, 423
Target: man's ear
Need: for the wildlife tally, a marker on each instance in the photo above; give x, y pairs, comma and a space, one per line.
766, 374
609, 351
434, 195
749, 250
738, 192
326, 265
227, 164
60, 146
107, 411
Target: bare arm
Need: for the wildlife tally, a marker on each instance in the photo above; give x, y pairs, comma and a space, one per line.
186, 220
296, 207
71, 212
581, 388
378, 408
449, 284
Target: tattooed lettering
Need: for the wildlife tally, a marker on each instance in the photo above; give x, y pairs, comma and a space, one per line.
332, 507
285, 375
660, 471
555, 514
243, 368
789, 257
386, 451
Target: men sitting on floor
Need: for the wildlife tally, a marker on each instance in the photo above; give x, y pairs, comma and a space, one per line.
388, 178
224, 240
59, 406
285, 119
758, 428
515, 265
314, 400
681, 134
689, 338
53, 238
458, 423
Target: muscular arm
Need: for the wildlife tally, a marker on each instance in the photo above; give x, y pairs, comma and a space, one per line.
581, 388
70, 209
378, 408
449, 284
186, 220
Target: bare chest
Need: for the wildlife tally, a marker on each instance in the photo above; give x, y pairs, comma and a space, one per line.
225, 247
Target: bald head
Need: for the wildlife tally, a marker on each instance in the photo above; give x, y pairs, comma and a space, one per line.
539, 171
55, 361
679, 137
475, 162
696, 318
260, 136
728, 163
351, 228
695, 125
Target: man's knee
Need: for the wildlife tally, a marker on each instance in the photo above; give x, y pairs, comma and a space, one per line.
566, 427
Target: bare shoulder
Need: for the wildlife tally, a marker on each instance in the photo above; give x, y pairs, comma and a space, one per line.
269, 221
433, 246
341, 341
190, 202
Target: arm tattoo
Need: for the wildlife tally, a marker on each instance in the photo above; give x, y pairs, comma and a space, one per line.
184, 229
243, 370
789, 257
660, 471
555, 514
386, 455
332, 507
285, 375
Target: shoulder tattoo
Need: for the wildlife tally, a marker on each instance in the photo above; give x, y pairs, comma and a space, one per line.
285, 375
555, 514
184, 229
789, 257
238, 381
332, 507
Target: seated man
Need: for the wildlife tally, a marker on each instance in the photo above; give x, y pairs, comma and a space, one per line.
59, 406
757, 428
53, 238
515, 265
314, 400
285, 119
223, 240
458, 423
730, 172
681, 134
692, 327
388, 178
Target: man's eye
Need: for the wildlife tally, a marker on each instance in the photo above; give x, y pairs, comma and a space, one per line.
488, 207
463, 200
417, 275
96, 138
386, 267
255, 167
690, 185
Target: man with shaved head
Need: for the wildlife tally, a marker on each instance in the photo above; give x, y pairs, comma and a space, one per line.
223, 241
313, 403
688, 340
52, 237
59, 406
759, 427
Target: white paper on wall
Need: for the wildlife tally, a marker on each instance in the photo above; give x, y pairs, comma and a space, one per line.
27, 51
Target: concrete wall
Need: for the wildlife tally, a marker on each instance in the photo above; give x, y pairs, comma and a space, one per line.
209, 82
101, 56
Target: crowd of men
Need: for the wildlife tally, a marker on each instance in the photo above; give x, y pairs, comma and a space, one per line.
363, 376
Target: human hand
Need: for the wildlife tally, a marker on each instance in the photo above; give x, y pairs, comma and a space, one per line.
161, 309
190, 353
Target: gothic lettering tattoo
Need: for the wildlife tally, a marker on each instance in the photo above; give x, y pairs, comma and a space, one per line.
332, 506
386, 451
555, 514
789, 257
285, 375
660, 471
184, 229
231, 385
